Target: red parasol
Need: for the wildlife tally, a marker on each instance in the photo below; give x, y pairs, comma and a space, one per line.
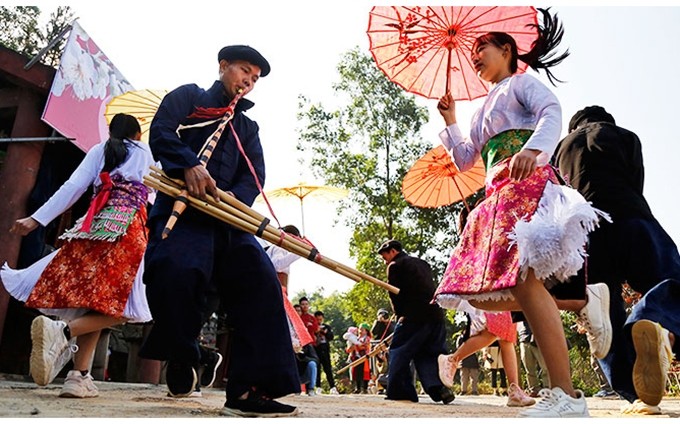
426, 49
435, 181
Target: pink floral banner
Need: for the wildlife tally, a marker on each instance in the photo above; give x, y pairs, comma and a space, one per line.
83, 85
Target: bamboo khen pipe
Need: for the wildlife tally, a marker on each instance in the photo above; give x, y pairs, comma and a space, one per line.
236, 213
203, 156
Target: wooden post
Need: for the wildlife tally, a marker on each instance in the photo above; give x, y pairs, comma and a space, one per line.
19, 174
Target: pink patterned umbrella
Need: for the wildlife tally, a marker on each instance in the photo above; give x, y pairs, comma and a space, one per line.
426, 49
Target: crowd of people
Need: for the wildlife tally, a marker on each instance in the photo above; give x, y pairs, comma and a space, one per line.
521, 249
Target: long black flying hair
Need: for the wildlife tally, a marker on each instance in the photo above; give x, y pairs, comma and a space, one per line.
542, 55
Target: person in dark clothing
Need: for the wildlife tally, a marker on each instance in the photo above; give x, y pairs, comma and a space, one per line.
203, 255
532, 359
604, 163
469, 366
382, 326
323, 350
419, 335
308, 368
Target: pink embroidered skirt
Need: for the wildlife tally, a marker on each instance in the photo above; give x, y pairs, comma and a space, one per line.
485, 263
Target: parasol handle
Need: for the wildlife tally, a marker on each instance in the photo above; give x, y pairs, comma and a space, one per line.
204, 155
448, 70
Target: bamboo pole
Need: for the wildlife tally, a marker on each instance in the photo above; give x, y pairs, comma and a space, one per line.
237, 208
377, 349
242, 217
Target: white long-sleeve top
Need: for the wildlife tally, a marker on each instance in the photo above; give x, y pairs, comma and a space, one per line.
134, 168
518, 102
280, 257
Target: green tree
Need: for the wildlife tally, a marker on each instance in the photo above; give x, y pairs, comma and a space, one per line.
367, 146
21, 32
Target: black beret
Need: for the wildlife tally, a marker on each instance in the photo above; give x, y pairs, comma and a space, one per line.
247, 53
590, 114
390, 244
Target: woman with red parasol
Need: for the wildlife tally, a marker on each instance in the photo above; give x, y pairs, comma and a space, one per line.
530, 229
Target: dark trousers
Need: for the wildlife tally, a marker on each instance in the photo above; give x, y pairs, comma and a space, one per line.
498, 376
661, 305
201, 257
640, 252
421, 343
324, 353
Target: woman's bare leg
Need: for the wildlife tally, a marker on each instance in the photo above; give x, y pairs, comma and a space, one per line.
92, 322
496, 305
87, 343
473, 344
87, 329
509, 361
573, 305
544, 318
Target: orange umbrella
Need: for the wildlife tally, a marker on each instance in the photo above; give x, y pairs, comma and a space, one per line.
434, 180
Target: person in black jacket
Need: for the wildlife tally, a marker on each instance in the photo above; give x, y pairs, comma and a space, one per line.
604, 163
323, 350
420, 335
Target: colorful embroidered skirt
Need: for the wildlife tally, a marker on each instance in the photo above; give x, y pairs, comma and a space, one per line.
93, 274
514, 228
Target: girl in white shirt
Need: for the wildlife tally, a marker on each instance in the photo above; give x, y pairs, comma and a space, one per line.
530, 228
94, 280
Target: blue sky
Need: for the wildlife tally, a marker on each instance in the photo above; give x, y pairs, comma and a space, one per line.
623, 57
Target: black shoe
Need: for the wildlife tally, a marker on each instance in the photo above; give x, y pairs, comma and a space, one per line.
255, 406
447, 395
210, 371
180, 378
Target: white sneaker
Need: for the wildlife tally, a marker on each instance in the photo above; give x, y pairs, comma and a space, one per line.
652, 362
594, 317
78, 386
319, 391
311, 393
447, 370
334, 391
518, 397
50, 351
557, 404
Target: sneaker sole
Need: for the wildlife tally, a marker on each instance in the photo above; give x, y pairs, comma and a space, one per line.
77, 395
648, 377
607, 326
214, 374
443, 359
518, 404
38, 368
190, 392
230, 412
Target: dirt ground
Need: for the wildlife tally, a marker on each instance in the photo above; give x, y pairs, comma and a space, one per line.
20, 398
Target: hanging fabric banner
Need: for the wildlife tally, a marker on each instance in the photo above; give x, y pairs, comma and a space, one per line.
84, 83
